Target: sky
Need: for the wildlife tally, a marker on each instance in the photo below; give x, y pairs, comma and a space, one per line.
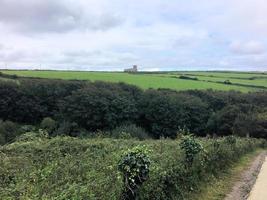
107, 35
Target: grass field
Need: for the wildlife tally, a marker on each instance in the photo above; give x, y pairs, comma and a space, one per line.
242, 81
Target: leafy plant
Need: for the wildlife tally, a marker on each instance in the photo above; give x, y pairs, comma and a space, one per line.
230, 140
191, 147
134, 165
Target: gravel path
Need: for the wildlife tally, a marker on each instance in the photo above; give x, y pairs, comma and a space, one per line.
259, 191
242, 188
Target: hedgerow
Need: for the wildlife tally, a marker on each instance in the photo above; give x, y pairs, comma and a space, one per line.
36, 167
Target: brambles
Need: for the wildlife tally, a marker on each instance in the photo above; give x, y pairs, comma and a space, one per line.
73, 168
134, 165
191, 147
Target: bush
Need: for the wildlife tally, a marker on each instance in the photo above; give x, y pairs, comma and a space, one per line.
73, 168
133, 131
231, 140
191, 147
48, 124
8, 131
134, 165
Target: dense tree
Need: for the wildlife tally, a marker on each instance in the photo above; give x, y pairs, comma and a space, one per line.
81, 106
9, 94
163, 112
94, 108
221, 122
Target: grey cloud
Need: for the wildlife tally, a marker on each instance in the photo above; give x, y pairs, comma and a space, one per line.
53, 16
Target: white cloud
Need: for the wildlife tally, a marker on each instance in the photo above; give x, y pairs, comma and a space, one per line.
250, 47
113, 34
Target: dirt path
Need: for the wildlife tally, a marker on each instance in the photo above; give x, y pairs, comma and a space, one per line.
259, 191
242, 188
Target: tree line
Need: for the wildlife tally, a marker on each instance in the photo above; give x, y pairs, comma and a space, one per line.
80, 107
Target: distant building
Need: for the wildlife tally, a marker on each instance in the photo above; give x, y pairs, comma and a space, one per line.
133, 69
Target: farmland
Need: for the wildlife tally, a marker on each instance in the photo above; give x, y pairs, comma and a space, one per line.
66, 135
241, 81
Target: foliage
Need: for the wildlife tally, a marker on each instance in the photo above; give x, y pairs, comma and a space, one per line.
132, 130
33, 136
191, 147
222, 122
134, 165
36, 167
80, 108
230, 140
8, 131
99, 108
48, 124
182, 131
162, 112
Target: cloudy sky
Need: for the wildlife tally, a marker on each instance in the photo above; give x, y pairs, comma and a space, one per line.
114, 34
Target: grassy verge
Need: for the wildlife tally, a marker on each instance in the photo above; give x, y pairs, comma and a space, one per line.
218, 187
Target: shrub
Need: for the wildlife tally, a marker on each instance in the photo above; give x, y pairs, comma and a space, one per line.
8, 131
191, 147
73, 168
48, 124
131, 129
134, 165
231, 140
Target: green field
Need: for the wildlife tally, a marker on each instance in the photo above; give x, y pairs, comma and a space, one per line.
242, 81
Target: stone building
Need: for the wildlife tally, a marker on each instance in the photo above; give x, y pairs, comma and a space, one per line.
133, 69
